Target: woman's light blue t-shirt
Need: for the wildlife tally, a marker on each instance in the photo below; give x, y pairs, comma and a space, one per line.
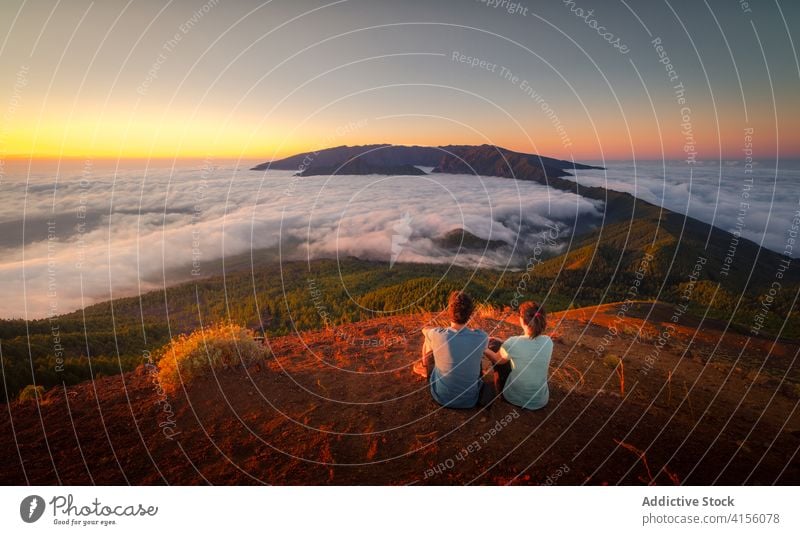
530, 362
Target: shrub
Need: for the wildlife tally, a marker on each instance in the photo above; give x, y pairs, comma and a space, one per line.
791, 390
216, 347
629, 330
613, 361
31, 393
486, 310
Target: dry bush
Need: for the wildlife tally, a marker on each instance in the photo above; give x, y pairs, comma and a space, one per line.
629, 330
791, 390
647, 335
568, 376
650, 480
613, 361
669, 387
31, 393
486, 310
642, 457
216, 347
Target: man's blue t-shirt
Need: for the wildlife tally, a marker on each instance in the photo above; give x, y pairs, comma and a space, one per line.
456, 377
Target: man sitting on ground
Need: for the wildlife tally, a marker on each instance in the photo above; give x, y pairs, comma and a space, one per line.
451, 357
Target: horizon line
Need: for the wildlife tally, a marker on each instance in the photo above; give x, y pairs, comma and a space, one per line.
264, 156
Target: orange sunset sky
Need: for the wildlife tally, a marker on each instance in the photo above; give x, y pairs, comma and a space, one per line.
258, 80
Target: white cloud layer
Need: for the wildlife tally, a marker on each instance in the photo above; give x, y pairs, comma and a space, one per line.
713, 193
142, 230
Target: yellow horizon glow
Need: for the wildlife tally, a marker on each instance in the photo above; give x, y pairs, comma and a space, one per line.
124, 136
153, 138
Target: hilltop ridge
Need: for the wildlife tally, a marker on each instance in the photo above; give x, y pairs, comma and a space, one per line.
341, 406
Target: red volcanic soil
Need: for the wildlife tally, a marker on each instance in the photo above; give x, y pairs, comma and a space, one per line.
342, 407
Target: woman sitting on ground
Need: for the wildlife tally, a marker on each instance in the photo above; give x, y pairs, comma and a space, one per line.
521, 365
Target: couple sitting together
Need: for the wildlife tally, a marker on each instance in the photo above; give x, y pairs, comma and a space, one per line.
451, 359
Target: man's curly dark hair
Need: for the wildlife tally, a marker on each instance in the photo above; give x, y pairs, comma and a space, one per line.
460, 306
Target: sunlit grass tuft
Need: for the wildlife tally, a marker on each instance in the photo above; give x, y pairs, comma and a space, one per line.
214, 348
31, 393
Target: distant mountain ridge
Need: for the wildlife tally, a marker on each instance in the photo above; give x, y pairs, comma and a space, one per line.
378, 155
358, 166
383, 158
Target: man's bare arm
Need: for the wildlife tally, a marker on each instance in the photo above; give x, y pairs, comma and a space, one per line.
426, 346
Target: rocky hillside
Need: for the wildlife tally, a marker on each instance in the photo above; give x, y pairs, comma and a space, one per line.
358, 166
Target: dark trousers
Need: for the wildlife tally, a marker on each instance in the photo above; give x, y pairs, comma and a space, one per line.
429, 363
501, 373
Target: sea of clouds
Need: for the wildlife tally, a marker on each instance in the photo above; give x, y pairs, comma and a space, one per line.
759, 201
92, 233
